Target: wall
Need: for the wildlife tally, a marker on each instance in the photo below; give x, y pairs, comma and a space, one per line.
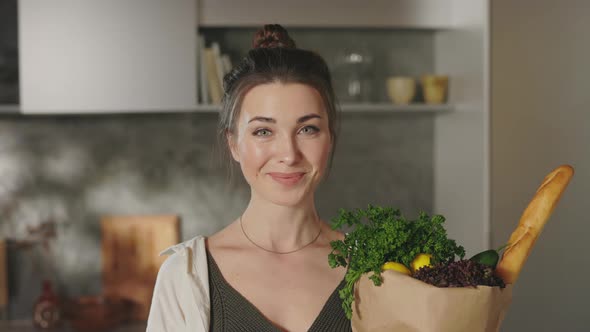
461, 138
541, 119
74, 169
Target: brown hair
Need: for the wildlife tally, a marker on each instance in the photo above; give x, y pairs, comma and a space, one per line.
274, 58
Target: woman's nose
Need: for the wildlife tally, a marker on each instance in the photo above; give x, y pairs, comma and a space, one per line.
288, 151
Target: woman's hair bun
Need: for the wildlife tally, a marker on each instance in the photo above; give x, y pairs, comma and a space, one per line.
272, 35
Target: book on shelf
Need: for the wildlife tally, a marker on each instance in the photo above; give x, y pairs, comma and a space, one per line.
213, 79
202, 69
213, 66
218, 65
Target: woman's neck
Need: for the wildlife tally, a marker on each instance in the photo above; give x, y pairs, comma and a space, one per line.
280, 228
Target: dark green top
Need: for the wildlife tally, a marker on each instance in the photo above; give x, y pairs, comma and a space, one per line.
232, 312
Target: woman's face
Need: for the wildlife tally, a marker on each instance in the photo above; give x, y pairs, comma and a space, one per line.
282, 142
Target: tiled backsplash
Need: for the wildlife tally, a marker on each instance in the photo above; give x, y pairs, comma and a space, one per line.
73, 169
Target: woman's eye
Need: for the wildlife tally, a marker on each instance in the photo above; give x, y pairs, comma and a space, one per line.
262, 132
309, 130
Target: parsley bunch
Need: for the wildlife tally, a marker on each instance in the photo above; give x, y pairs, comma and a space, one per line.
382, 234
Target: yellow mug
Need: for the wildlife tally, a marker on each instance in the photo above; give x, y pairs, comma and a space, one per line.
435, 88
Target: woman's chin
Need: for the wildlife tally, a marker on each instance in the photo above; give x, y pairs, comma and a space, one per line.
288, 199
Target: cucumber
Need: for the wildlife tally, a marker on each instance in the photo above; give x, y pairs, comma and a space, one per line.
488, 257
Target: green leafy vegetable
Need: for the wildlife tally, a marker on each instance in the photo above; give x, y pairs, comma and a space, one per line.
382, 235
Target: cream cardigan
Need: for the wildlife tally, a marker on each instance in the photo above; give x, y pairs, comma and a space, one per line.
181, 300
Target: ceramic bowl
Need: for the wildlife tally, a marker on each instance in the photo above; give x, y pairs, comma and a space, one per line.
401, 90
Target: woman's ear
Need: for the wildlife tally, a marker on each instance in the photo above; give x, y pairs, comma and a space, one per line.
231, 143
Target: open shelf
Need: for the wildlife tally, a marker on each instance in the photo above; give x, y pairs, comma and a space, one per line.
393, 108
212, 108
364, 107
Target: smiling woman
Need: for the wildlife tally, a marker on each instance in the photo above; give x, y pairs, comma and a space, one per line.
267, 270
282, 142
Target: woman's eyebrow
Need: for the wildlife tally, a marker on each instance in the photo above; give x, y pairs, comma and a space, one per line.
263, 119
271, 120
308, 117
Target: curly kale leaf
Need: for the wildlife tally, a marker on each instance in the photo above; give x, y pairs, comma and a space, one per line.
382, 234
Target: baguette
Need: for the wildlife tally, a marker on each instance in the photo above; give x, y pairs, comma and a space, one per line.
531, 223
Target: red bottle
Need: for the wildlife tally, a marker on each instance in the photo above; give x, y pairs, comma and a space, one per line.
47, 311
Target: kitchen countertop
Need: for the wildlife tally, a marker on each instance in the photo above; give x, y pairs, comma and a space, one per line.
27, 326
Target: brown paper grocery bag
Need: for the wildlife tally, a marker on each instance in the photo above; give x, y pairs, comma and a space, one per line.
405, 304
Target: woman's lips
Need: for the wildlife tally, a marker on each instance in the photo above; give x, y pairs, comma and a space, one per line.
287, 178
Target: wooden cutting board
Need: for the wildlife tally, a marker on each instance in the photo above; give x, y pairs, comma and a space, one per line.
130, 261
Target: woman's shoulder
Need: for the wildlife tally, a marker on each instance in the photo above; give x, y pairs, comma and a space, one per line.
179, 248
181, 286
184, 257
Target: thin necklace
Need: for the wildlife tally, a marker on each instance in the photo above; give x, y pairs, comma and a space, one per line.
278, 252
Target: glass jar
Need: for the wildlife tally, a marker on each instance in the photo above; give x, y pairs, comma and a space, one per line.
352, 75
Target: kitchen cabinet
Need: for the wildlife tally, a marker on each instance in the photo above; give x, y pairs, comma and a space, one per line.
140, 56
412, 14
106, 56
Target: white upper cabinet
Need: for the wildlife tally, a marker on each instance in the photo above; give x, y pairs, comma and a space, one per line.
426, 14
80, 56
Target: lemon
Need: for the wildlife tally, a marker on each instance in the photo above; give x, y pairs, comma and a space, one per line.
395, 266
420, 261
